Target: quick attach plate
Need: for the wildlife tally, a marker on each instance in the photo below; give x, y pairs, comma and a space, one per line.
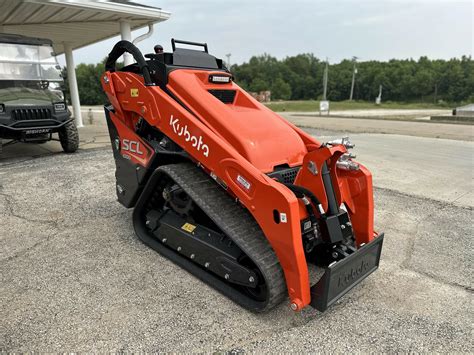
335, 229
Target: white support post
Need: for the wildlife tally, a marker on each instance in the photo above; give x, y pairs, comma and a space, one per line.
73, 89
126, 34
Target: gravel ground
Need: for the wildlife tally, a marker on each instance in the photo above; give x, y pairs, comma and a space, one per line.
74, 277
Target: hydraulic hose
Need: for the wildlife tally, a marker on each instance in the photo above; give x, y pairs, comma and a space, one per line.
301, 192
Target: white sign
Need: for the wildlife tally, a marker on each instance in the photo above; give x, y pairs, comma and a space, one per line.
324, 105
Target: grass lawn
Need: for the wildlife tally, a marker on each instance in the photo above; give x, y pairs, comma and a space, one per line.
313, 105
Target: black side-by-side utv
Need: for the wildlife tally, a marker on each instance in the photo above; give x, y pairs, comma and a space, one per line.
32, 105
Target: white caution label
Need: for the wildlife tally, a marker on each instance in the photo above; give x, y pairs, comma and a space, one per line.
241, 180
283, 218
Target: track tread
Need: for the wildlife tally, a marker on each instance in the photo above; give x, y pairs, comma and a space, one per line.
236, 222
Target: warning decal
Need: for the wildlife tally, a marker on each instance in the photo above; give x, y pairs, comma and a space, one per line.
188, 227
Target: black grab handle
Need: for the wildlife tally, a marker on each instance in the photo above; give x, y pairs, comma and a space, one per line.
125, 46
174, 41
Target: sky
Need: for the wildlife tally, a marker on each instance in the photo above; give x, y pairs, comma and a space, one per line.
337, 29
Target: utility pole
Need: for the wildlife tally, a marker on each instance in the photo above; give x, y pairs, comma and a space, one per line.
378, 99
228, 60
354, 72
324, 103
325, 80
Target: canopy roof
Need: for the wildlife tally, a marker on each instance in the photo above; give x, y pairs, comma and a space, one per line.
79, 22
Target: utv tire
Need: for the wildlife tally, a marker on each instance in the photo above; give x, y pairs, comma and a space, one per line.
69, 137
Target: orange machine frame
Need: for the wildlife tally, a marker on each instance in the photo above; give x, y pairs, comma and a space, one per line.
209, 146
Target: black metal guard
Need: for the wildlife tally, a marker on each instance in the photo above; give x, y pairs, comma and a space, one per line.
55, 124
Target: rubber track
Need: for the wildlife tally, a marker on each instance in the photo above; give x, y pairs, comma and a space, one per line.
237, 224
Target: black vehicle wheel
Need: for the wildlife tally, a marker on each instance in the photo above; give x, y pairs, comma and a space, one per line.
69, 137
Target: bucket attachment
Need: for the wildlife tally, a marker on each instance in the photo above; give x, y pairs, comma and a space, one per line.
340, 277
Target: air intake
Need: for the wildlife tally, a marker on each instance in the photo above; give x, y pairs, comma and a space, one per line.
286, 176
226, 96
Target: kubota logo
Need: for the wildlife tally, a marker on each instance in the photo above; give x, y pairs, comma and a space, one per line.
353, 274
131, 146
197, 142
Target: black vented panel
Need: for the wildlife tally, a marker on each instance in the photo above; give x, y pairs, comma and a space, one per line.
31, 114
226, 96
289, 176
286, 176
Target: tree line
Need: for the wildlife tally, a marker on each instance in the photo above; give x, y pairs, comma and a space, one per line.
300, 77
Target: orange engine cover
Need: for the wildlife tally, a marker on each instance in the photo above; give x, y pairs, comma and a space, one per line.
259, 135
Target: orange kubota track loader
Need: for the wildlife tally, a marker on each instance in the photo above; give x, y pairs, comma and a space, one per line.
229, 190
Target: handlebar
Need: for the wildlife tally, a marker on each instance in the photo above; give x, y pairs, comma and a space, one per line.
174, 41
122, 47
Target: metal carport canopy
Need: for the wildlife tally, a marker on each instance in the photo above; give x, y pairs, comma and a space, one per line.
73, 24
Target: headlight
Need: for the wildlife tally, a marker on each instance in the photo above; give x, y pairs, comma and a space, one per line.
220, 79
2, 108
60, 106
58, 93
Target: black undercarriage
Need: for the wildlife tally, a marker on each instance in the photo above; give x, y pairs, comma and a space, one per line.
188, 218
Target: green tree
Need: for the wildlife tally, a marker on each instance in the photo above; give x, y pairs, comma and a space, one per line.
258, 85
281, 90
423, 83
88, 79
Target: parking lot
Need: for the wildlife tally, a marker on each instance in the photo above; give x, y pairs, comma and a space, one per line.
74, 277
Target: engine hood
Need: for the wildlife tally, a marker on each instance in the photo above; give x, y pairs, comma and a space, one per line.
258, 134
18, 96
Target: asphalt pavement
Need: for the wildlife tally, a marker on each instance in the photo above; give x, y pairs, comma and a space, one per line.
357, 124
74, 277
439, 169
